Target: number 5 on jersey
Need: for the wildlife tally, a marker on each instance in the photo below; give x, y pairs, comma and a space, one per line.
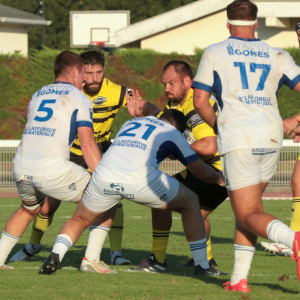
48, 110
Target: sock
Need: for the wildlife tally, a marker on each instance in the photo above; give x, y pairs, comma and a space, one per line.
116, 231
280, 233
209, 253
199, 252
40, 224
97, 237
295, 222
61, 246
242, 262
160, 244
7, 242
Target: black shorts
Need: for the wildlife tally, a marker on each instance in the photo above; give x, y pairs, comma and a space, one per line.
210, 195
79, 160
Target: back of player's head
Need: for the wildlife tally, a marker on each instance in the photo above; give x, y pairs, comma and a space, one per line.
93, 58
182, 68
175, 117
242, 10
66, 60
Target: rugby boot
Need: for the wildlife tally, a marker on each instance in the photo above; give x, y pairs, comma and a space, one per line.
277, 249
150, 265
91, 267
50, 265
117, 259
27, 252
210, 271
241, 286
6, 267
191, 263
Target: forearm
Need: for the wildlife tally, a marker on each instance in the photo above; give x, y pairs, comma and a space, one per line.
149, 109
91, 155
205, 147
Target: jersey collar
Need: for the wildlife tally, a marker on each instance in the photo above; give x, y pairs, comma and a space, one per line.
245, 40
62, 82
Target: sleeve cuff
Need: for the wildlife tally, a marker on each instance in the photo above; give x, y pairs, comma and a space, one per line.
202, 86
292, 83
84, 124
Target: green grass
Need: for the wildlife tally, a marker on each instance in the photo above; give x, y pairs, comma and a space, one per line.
68, 283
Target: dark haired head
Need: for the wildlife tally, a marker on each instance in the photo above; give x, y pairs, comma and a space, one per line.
93, 58
182, 68
66, 60
176, 118
242, 10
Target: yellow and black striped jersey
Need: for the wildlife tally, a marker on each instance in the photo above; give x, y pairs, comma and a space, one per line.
197, 126
105, 107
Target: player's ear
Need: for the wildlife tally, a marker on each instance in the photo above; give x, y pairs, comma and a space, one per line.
255, 25
187, 81
228, 26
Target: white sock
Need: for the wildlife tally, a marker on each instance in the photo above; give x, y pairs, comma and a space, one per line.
61, 246
7, 242
96, 240
242, 262
199, 252
280, 233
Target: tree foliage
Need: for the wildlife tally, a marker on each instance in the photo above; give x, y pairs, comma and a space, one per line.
58, 11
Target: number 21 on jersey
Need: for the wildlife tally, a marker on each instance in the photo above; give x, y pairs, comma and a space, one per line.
132, 131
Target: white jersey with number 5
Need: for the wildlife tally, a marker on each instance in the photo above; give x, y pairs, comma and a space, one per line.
55, 113
138, 149
245, 75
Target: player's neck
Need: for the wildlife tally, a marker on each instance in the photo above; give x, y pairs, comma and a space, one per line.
244, 34
64, 79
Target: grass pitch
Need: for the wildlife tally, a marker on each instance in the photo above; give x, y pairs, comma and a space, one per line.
271, 277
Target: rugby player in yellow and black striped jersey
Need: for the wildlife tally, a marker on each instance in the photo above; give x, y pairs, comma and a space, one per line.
177, 79
107, 98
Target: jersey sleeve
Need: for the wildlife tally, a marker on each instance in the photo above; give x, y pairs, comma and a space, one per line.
84, 115
204, 78
291, 71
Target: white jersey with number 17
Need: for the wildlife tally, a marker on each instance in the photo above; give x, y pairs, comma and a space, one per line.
55, 113
245, 75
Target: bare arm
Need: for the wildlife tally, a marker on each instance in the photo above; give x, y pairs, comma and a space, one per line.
89, 148
205, 172
25, 112
204, 109
296, 135
206, 146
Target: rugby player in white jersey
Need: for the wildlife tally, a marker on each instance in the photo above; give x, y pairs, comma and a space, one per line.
130, 169
245, 74
57, 113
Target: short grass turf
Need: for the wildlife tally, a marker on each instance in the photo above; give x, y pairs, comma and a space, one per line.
271, 277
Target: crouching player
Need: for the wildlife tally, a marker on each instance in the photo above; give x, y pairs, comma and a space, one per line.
129, 169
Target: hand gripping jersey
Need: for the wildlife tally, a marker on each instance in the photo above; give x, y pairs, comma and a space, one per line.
197, 126
106, 104
245, 75
139, 147
55, 113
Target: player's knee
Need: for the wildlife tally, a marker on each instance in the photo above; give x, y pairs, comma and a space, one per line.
82, 223
33, 207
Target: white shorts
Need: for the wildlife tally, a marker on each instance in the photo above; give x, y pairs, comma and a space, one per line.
101, 196
67, 186
246, 167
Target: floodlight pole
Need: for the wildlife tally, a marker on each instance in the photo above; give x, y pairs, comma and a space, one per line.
42, 12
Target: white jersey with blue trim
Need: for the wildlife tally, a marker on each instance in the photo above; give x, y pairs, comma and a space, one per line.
138, 149
245, 75
55, 113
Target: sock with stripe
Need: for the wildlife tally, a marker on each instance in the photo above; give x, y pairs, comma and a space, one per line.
160, 244
61, 246
209, 252
280, 233
97, 237
40, 224
199, 252
7, 242
242, 262
295, 222
116, 231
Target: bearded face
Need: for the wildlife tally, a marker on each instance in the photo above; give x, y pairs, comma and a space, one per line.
93, 78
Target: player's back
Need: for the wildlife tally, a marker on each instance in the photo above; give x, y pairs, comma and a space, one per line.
138, 149
54, 113
247, 74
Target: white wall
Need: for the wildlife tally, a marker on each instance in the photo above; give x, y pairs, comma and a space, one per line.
13, 38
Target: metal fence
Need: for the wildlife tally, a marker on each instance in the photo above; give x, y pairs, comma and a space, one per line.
280, 181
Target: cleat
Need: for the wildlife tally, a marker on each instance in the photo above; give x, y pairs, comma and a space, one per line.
241, 286
50, 265
6, 267
210, 271
191, 263
150, 265
27, 252
296, 251
277, 249
91, 267
120, 261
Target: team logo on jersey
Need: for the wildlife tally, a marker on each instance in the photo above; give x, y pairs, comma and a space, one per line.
99, 100
73, 187
194, 121
117, 187
164, 198
230, 50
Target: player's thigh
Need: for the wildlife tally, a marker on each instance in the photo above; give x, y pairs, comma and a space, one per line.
296, 179
31, 196
268, 163
210, 195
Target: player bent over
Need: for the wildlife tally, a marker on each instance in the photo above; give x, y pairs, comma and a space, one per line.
129, 169
57, 114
